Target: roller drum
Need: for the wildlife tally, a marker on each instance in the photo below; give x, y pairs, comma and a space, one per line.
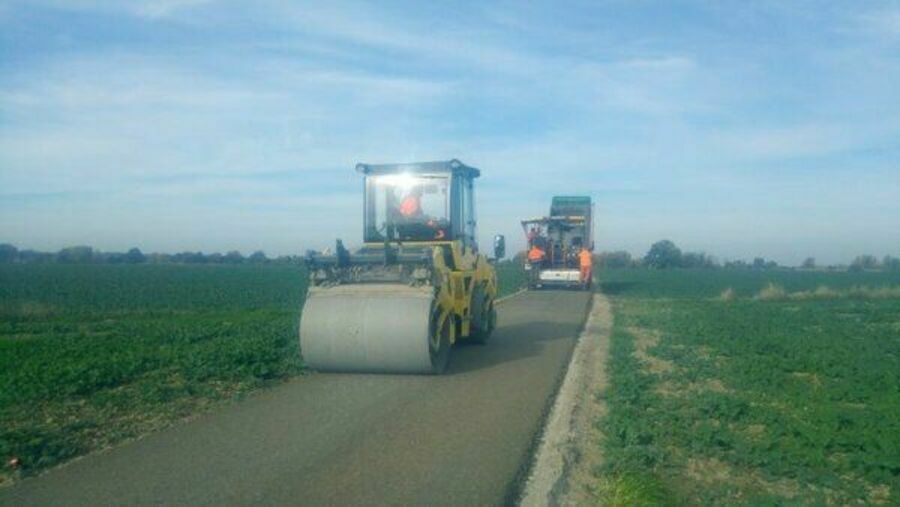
367, 328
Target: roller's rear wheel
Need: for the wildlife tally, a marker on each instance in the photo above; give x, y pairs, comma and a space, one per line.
439, 340
483, 317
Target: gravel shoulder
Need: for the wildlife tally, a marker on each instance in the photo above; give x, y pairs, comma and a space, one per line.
562, 473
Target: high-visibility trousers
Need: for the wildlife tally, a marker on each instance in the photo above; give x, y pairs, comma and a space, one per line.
585, 274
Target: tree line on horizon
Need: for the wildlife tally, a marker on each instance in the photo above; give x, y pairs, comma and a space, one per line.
88, 255
663, 254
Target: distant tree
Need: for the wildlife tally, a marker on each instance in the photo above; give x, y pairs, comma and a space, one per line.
189, 258
8, 253
771, 265
617, 259
736, 264
759, 263
34, 257
158, 258
215, 258
697, 260
234, 257
863, 262
890, 263
75, 255
809, 263
662, 255
135, 256
109, 257
258, 257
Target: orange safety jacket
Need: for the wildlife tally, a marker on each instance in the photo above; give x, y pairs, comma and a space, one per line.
585, 259
410, 206
536, 254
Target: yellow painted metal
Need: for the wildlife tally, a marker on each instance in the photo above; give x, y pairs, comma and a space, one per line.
458, 282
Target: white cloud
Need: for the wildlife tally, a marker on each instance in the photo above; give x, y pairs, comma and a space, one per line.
97, 122
150, 9
783, 142
163, 8
883, 22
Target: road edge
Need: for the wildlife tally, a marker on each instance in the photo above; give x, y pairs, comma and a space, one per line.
561, 468
510, 296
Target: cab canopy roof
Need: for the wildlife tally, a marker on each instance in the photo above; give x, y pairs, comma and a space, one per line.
450, 166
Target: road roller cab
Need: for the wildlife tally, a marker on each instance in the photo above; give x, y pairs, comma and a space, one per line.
424, 202
416, 286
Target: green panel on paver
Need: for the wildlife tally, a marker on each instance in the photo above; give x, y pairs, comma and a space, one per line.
570, 205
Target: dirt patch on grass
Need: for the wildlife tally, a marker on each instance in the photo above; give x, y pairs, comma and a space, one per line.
671, 388
812, 379
644, 340
878, 494
713, 471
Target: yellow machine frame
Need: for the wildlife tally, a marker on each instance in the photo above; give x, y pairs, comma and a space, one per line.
457, 286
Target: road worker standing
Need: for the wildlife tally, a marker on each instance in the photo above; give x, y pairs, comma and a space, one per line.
536, 255
585, 262
536, 258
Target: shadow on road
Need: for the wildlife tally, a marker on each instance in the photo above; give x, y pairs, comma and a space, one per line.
508, 344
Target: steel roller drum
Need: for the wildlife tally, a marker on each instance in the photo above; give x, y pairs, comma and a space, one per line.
367, 328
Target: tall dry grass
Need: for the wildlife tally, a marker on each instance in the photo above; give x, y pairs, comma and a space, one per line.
631, 489
774, 292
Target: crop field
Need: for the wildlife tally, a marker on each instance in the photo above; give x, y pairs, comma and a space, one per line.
91, 355
760, 387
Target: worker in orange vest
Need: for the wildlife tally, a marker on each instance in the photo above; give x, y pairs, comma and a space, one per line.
411, 206
585, 262
536, 255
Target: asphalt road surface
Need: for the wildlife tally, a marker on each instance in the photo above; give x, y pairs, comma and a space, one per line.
463, 438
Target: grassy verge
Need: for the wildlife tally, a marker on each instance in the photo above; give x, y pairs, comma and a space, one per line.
511, 277
749, 398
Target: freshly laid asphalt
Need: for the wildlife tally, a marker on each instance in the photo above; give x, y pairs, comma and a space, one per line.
463, 438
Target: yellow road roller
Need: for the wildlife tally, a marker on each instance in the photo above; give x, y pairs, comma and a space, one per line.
417, 285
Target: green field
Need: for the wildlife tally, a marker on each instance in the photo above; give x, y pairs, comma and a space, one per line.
724, 388
776, 391
91, 355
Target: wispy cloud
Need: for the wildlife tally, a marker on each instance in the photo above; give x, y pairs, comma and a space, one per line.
882, 22
162, 8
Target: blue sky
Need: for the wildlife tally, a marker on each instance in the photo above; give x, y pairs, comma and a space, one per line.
737, 128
